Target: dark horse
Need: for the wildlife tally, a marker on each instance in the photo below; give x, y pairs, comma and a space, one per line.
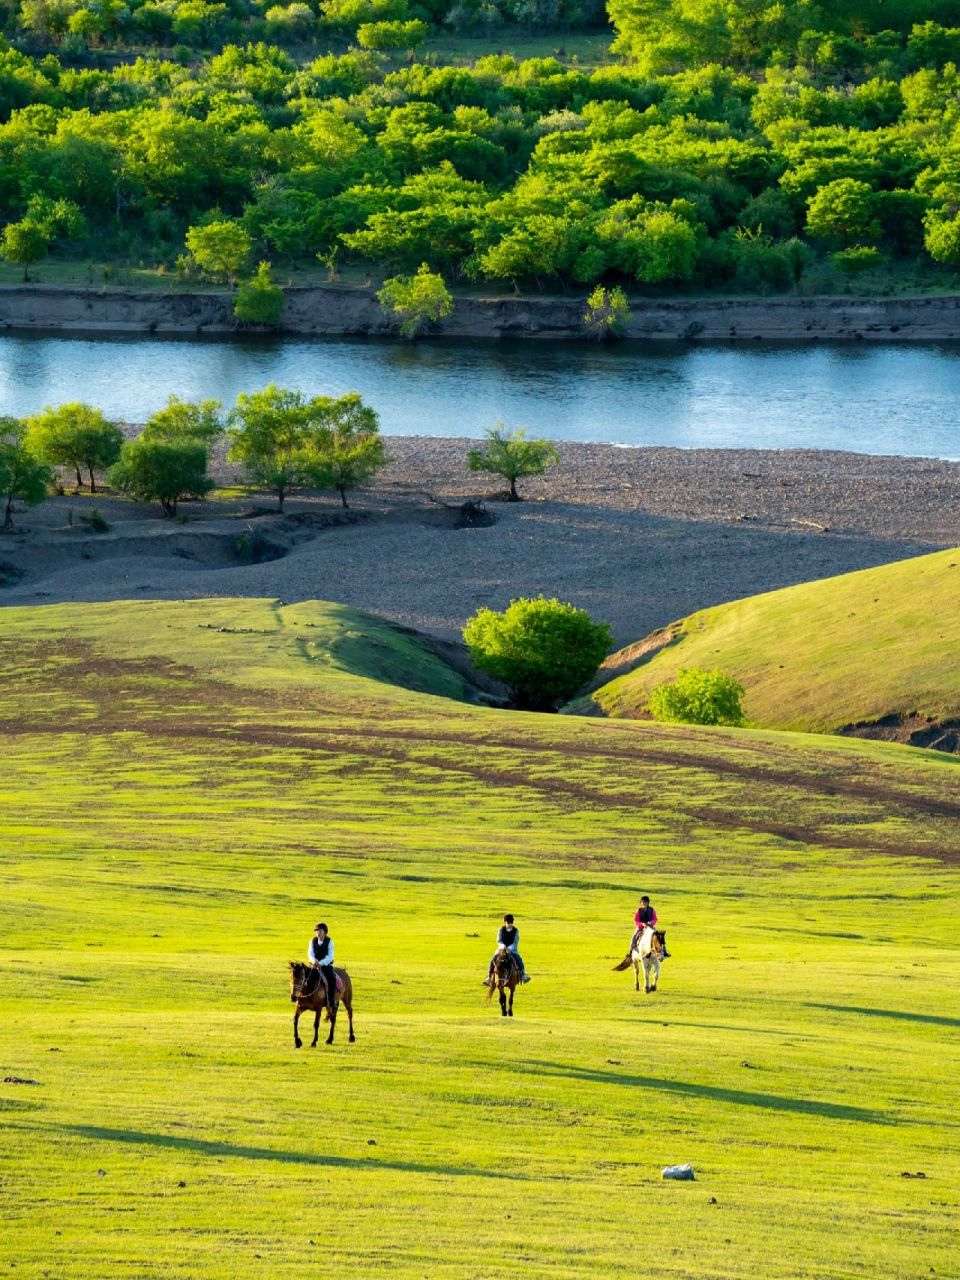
505, 976
309, 991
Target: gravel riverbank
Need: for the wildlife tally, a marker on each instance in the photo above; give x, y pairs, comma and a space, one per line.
637, 536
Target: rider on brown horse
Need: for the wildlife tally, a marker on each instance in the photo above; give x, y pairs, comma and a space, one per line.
320, 955
508, 939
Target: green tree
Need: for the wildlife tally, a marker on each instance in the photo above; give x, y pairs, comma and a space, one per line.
23, 476
698, 697
417, 301
606, 313
858, 259
294, 21
511, 455
186, 421
23, 243
220, 248
392, 35
543, 649
164, 471
270, 435
843, 210
75, 435
56, 219
942, 238
287, 441
259, 300
348, 448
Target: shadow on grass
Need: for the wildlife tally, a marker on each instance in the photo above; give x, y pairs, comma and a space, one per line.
202, 1147
737, 1097
934, 1019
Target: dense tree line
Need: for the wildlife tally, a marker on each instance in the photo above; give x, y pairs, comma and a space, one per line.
829, 137
78, 25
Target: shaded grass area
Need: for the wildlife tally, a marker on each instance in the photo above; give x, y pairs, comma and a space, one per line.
824, 654
186, 790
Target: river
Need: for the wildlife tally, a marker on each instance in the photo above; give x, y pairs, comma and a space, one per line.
880, 399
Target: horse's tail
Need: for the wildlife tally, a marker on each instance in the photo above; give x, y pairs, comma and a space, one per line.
625, 963
490, 987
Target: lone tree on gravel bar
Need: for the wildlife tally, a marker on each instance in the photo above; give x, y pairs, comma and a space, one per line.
543, 649
511, 455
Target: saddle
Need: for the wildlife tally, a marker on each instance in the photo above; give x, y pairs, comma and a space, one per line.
316, 979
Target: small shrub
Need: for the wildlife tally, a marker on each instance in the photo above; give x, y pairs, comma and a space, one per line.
392, 35
606, 313
416, 301
259, 300
698, 697
856, 260
94, 520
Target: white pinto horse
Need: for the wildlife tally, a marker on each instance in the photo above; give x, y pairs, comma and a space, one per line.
646, 953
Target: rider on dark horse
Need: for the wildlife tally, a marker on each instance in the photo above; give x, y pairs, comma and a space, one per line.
320, 955
646, 918
508, 939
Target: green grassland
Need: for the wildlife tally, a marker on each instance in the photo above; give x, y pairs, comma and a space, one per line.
824, 654
188, 787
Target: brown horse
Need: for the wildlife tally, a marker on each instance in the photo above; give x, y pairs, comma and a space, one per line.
505, 976
309, 991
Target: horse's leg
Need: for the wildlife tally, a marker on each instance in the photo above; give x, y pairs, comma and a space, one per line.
297, 1042
636, 974
656, 973
510, 1010
316, 1027
646, 974
348, 1005
333, 1024
503, 999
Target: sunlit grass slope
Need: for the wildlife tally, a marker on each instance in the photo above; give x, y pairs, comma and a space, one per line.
825, 654
187, 789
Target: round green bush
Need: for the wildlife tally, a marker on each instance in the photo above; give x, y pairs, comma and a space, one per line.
698, 697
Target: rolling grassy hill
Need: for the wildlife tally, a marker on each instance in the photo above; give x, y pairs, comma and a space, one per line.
824, 655
187, 788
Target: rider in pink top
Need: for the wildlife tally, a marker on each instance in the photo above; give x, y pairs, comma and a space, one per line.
646, 918
646, 915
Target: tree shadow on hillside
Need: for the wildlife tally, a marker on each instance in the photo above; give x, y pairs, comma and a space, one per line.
934, 1019
711, 1093
203, 1147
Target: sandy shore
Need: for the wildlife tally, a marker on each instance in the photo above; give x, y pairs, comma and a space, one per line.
637, 536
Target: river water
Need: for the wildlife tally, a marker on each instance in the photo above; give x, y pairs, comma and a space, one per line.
884, 399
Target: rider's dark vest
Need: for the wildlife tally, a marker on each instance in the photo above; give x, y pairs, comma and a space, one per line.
508, 936
645, 915
319, 949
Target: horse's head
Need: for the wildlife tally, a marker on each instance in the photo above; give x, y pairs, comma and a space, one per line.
298, 976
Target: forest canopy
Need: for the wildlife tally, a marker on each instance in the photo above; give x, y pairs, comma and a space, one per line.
726, 144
